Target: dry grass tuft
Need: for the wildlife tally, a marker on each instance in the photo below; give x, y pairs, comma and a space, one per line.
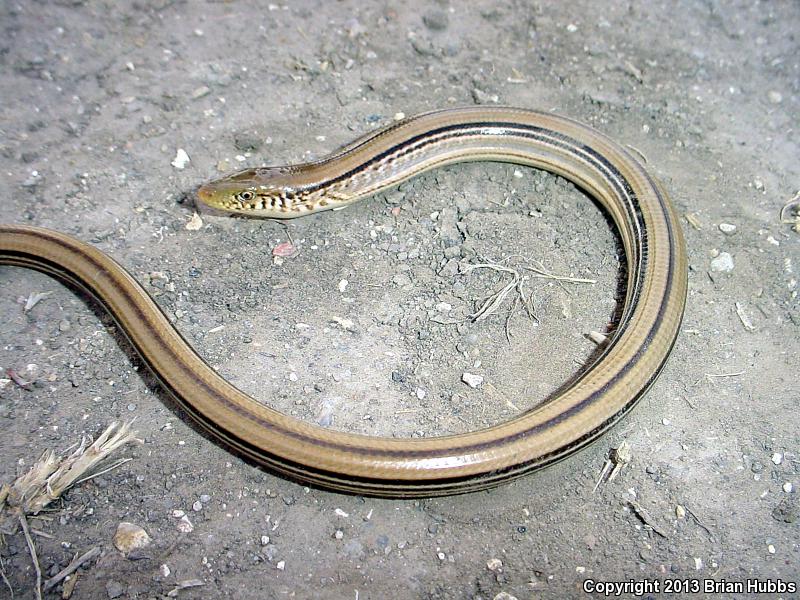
52, 475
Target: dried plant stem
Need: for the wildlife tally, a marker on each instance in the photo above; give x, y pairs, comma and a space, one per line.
72, 567
32, 549
48, 479
51, 476
5, 579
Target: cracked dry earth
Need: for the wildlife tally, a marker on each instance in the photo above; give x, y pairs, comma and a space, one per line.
365, 328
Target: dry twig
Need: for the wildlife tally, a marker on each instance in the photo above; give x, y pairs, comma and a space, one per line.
5, 579
32, 549
645, 517
73, 566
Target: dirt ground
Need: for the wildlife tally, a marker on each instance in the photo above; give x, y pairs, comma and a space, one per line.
355, 330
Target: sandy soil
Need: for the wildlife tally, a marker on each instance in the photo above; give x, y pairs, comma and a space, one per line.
96, 102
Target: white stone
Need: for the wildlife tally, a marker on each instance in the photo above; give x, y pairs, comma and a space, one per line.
472, 380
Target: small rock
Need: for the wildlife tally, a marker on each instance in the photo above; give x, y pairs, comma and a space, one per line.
420, 394
436, 20
727, 228
777, 458
269, 551
200, 92
504, 596
114, 589
787, 487
185, 525
775, 97
788, 511
481, 97
680, 512
129, 537
197, 506
248, 141
722, 263
195, 223
181, 159
472, 380
338, 534
495, 565
281, 565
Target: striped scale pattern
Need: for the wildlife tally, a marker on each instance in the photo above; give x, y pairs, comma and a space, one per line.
575, 416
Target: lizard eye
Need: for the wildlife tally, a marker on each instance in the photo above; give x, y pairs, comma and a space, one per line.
246, 196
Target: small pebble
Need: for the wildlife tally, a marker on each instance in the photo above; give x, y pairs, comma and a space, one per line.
129, 537
338, 534
472, 380
495, 565
680, 512
114, 589
775, 97
436, 20
787, 487
205, 498
504, 596
195, 223
185, 525
777, 458
281, 565
197, 506
727, 228
200, 92
420, 394
722, 263
264, 540
181, 159
771, 549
